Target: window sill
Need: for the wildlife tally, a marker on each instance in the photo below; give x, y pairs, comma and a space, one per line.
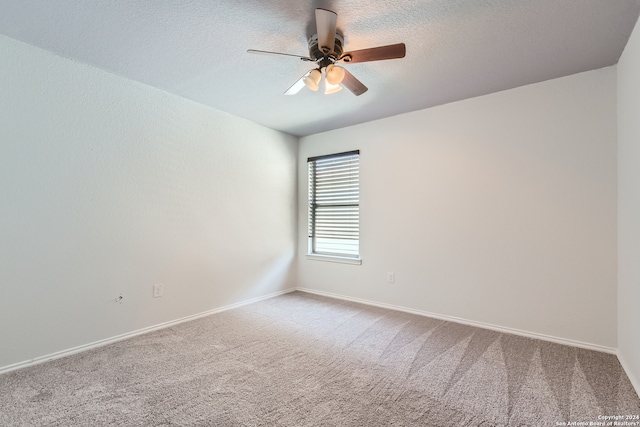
338, 259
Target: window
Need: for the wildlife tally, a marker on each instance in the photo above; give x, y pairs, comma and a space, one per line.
334, 205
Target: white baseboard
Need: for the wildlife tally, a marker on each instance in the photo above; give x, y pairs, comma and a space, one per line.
513, 331
100, 343
634, 380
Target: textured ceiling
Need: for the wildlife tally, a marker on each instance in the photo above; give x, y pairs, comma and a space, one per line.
456, 49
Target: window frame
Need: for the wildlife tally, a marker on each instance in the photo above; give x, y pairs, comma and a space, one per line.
313, 205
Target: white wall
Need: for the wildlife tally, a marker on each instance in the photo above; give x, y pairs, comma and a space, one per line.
108, 186
629, 208
499, 209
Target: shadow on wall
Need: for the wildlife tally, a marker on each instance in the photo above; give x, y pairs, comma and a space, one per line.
275, 277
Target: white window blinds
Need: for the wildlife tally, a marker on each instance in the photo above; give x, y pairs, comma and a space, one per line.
334, 204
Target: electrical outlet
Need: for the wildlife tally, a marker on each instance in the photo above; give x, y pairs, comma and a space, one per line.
391, 277
158, 290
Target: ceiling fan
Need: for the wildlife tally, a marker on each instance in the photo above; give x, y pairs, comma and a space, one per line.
326, 50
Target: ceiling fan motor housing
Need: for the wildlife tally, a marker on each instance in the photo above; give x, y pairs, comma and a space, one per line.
317, 54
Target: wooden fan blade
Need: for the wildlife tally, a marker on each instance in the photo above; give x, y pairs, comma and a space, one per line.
379, 53
266, 52
354, 85
326, 26
295, 88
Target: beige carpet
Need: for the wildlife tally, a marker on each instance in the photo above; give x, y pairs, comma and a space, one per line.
305, 360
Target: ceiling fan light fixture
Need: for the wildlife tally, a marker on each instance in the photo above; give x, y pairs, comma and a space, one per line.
312, 79
335, 74
330, 88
